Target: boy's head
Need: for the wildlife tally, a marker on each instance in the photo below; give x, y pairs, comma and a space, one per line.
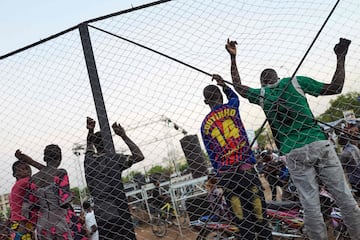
212, 95
268, 77
52, 155
21, 170
156, 183
266, 156
86, 205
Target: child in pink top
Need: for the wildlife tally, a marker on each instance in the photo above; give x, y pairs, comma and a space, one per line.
21, 228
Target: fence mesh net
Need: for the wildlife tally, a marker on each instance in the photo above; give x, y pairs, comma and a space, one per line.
153, 63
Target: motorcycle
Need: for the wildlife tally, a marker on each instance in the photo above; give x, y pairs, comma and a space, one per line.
339, 229
285, 219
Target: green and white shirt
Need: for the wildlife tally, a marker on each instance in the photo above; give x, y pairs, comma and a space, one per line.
288, 112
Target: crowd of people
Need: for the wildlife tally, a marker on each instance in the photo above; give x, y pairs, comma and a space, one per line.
309, 156
41, 203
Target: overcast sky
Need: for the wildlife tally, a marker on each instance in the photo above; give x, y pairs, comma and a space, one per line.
23, 22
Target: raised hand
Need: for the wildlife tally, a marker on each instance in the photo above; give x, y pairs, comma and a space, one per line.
90, 123
118, 129
342, 47
219, 80
230, 46
18, 154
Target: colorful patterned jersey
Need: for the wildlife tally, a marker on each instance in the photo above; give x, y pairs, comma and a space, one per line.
224, 135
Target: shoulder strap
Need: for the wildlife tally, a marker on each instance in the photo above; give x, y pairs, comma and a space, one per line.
297, 86
262, 95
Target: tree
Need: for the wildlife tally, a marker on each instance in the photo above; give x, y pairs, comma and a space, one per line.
344, 102
265, 140
159, 169
79, 194
130, 176
76, 198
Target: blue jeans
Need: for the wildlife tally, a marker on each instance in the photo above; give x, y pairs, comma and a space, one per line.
319, 159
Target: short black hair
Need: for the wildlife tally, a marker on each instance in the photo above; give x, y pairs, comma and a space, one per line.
17, 164
211, 92
86, 205
52, 152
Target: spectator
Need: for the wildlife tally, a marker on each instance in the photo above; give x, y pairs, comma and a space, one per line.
228, 148
275, 171
103, 177
90, 222
21, 227
298, 136
159, 199
49, 195
216, 198
350, 160
77, 225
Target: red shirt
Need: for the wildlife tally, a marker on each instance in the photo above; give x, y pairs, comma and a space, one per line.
16, 199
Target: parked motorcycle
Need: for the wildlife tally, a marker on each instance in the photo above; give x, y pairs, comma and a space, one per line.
285, 219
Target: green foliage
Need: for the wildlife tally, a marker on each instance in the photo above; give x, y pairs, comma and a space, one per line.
262, 138
130, 176
183, 167
159, 169
265, 139
3, 216
343, 102
77, 192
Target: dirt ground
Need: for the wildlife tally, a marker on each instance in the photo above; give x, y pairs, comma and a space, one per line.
144, 232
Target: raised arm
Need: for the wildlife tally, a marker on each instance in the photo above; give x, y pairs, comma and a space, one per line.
241, 89
136, 154
27, 159
90, 125
227, 90
337, 82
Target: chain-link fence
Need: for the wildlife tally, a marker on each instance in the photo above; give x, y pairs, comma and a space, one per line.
145, 68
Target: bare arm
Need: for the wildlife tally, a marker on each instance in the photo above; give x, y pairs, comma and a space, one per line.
136, 154
27, 159
90, 125
337, 82
241, 89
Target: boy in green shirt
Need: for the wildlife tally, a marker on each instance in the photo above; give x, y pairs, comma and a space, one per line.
297, 135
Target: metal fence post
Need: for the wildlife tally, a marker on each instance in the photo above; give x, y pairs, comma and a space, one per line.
96, 89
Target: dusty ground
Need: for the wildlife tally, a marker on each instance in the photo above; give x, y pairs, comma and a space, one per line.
144, 232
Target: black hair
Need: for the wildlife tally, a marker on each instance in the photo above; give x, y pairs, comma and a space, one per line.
52, 152
86, 205
268, 76
211, 92
266, 72
212, 95
17, 164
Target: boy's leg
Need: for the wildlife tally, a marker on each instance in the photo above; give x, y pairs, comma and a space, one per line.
301, 164
258, 207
